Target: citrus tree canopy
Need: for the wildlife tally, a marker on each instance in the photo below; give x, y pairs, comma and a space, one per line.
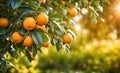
28, 25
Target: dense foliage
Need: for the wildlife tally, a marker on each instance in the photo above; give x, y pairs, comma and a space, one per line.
23, 16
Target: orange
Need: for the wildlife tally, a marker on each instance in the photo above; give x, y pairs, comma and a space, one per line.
87, 1
17, 37
67, 38
42, 1
45, 44
28, 41
42, 19
72, 11
4, 22
42, 27
29, 23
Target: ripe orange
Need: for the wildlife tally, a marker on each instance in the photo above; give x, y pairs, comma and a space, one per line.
42, 27
42, 19
28, 41
72, 11
87, 1
45, 44
42, 1
67, 38
4, 22
29, 23
17, 37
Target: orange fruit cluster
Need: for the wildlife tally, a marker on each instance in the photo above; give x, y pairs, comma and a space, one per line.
29, 24
18, 38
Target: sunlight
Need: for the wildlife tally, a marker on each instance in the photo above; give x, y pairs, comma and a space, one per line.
115, 6
118, 8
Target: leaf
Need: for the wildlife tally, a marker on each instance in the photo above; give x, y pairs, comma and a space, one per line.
34, 49
2, 31
100, 8
15, 3
66, 48
15, 19
39, 37
14, 54
15, 47
58, 25
53, 41
26, 11
58, 46
34, 38
72, 33
57, 16
45, 37
28, 56
9, 64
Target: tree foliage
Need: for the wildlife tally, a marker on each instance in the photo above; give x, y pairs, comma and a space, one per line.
58, 25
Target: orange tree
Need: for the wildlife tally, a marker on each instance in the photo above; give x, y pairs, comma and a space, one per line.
28, 25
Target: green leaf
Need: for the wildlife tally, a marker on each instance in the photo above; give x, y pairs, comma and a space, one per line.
2, 31
15, 19
57, 16
28, 56
39, 37
26, 11
100, 8
45, 37
72, 33
14, 54
66, 48
58, 25
34, 49
15, 47
34, 38
15, 3
53, 41
58, 46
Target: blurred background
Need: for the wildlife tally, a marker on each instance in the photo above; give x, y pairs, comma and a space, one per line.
95, 49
